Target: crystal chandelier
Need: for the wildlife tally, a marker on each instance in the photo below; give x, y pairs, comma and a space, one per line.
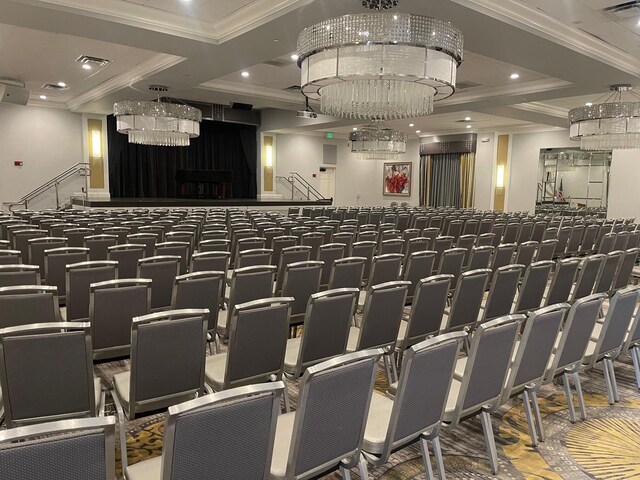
613, 124
376, 143
156, 122
379, 65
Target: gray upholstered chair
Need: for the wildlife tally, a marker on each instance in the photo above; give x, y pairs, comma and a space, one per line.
257, 343
480, 257
10, 257
149, 240
20, 305
625, 269
483, 375
247, 284
55, 266
415, 412
200, 290
347, 273
54, 384
571, 348
210, 261
75, 236
608, 338
525, 253
334, 397
177, 249
79, 277
81, 448
417, 266
502, 292
236, 416
534, 284
127, 256
120, 232
503, 255
162, 270
288, 255
588, 240
280, 243
534, 348
393, 245
328, 253
326, 330
37, 246
440, 244
589, 273
365, 249
98, 245
112, 307
606, 243
215, 245
20, 240
609, 271
467, 300
13, 275
562, 281
485, 240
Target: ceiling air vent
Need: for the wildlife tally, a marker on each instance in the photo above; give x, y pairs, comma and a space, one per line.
623, 11
93, 61
53, 86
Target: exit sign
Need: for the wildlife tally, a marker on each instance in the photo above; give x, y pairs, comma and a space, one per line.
329, 134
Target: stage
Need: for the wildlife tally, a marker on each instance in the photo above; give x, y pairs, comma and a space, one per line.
197, 202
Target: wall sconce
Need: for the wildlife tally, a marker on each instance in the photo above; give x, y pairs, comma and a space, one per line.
500, 177
96, 144
269, 156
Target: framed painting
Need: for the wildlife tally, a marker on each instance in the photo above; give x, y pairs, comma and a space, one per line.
396, 179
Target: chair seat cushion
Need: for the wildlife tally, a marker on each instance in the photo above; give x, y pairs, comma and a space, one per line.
121, 386
452, 400
402, 331
461, 364
377, 423
214, 370
146, 470
352, 342
291, 354
97, 391
221, 325
282, 444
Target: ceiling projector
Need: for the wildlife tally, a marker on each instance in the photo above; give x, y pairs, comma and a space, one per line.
307, 114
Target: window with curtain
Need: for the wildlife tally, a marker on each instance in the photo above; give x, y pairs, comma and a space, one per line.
446, 180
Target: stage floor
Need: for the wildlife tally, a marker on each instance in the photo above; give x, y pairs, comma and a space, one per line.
195, 202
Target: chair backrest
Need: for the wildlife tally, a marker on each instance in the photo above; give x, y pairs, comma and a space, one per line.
13, 275
326, 327
382, 314
301, 280
37, 246
419, 265
313, 240
498, 230
467, 299
127, 256
546, 249
215, 245
625, 269
440, 245
280, 243
79, 277
365, 249
75, 236
199, 290
257, 341
535, 348
534, 285
487, 365
589, 273
451, 262
480, 257
525, 253
98, 245
576, 333
538, 231
328, 253
347, 273
20, 305
147, 239
10, 257
485, 240
178, 249
21, 240
431, 233
295, 254
46, 357
575, 239
503, 255
502, 292
162, 270
563, 239
562, 282
62, 450
616, 324
427, 309
384, 268
589, 239
606, 243
608, 272
235, 415
511, 233
334, 397
249, 284
250, 258
621, 241
210, 261
394, 245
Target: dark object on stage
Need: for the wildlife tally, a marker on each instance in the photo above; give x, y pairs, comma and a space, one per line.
241, 106
204, 183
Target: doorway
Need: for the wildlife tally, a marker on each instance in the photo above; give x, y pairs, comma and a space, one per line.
328, 182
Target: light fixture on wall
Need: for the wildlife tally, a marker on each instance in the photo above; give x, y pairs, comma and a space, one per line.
500, 177
157, 122
96, 143
613, 124
379, 65
268, 161
375, 142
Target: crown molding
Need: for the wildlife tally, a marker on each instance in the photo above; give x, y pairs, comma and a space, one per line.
543, 108
236, 88
536, 21
153, 65
524, 88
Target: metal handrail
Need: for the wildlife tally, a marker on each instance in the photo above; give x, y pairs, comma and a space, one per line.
310, 188
54, 182
293, 187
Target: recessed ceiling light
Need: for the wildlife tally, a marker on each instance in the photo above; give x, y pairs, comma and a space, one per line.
411, 125
86, 66
62, 84
588, 104
468, 126
43, 97
245, 74
639, 23
355, 129
294, 57
417, 131
395, 17
467, 119
515, 76
276, 40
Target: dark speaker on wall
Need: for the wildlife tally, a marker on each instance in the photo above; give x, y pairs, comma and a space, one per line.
241, 106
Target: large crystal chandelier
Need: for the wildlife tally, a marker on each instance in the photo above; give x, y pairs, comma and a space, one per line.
379, 65
374, 142
157, 123
613, 124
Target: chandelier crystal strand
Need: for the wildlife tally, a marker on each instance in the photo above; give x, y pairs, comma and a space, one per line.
375, 143
607, 126
379, 65
157, 123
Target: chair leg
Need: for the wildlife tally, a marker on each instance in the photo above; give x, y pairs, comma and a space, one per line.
346, 474
123, 436
387, 368
583, 408
489, 440
362, 468
607, 382
527, 409
287, 402
612, 376
536, 411
394, 368
426, 458
635, 357
569, 395
437, 452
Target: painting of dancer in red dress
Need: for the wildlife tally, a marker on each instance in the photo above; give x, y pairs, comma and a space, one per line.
397, 179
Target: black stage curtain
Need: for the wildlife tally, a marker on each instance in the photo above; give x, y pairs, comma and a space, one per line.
137, 171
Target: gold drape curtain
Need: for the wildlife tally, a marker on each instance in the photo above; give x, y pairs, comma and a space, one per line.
447, 180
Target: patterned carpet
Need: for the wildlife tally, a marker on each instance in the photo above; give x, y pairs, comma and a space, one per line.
605, 447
